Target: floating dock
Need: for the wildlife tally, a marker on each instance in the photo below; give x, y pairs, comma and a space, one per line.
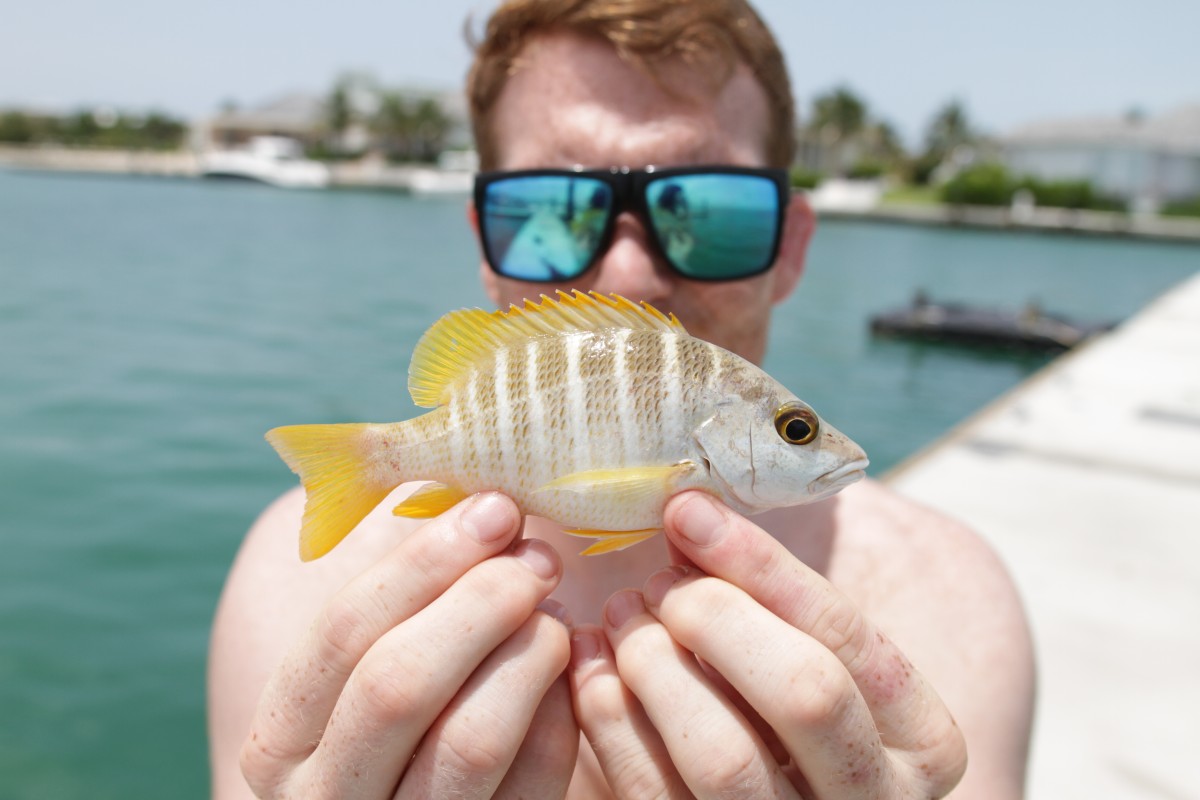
1086, 480
1030, 328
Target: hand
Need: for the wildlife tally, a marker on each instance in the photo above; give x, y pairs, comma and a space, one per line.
432, 674
757, 679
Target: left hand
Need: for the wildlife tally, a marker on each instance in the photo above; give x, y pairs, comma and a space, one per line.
750, 675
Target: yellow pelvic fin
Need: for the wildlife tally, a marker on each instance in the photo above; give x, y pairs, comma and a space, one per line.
462, 338
611, 541
429, 501
621, 484
332, 462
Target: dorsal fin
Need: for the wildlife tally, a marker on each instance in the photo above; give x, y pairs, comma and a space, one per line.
461, 338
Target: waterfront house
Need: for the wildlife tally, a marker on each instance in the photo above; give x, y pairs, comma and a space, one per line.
1144, 160
295, 116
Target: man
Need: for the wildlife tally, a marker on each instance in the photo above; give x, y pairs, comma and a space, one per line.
845, 649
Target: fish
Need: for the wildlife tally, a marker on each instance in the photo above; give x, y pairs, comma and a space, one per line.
587, 409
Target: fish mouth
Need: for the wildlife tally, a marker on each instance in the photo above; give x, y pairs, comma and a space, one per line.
841, 477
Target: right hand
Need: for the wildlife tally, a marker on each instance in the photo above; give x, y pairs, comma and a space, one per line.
432, 674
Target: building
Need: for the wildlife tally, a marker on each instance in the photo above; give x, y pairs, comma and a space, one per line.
295, 116
305, 117
1146, 161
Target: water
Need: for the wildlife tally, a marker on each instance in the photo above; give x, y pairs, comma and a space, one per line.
151, 331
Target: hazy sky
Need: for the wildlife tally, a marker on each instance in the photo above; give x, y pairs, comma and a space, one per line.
1010, 62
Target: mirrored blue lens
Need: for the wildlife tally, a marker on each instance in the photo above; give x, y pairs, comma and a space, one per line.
715, 226
544, 227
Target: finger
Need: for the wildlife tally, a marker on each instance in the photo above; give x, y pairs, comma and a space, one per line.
631, 754
751, 715
471, 746
299, 698
907, 711
412, 673
799, 687
544, 764
714, 749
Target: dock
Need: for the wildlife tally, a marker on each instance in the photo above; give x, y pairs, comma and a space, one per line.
1029, 328
1086, 480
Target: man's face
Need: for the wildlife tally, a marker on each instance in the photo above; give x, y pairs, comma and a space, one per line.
573, 102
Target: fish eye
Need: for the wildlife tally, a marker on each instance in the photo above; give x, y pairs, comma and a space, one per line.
796, 424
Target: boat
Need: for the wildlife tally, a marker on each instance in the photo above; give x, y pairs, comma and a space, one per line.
273, 160
454, 174
1030, 328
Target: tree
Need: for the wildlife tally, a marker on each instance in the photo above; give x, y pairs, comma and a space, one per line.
839, 112
16, 127
407, 131
839, 118
338, 113
948, 130
430, 128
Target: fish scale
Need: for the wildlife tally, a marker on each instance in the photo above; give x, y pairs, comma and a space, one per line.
588, 410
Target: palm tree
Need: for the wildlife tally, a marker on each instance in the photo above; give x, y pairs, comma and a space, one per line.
338, 112
838, 117
430, 127
949, 129
410, 130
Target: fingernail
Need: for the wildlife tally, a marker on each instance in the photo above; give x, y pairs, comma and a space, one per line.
584, 647
538, 557
556, 610
657, 584
488, 518
699, 520
622, 607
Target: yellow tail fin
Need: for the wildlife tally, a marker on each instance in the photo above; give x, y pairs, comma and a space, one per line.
333, 464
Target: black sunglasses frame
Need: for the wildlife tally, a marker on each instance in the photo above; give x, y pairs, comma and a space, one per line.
628, 188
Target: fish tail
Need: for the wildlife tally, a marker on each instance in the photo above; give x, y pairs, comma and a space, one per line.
341, 481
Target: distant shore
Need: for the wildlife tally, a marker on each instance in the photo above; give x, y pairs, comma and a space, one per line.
363, 174
1036, 220
374, 175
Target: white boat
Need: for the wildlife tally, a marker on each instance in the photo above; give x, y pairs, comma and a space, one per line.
274, 160
454, 174
428, 180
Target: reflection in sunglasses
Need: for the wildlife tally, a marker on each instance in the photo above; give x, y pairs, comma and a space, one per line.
715, 223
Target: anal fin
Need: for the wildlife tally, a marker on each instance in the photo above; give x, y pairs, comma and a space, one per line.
612, 541
429, 501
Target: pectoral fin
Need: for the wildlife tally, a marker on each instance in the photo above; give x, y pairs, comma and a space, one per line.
611, 541
429, 501
621, 484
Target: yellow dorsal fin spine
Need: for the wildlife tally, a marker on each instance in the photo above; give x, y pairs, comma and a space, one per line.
462, 338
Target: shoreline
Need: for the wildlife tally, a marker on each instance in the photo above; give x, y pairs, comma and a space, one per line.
421, 179
1056, 221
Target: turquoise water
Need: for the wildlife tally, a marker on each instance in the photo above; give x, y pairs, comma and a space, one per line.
151, 331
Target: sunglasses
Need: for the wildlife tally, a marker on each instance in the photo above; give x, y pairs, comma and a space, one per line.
708, 223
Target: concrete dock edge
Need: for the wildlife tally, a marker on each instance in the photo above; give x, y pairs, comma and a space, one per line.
1086, 480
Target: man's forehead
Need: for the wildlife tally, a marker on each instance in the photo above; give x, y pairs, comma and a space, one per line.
573, 100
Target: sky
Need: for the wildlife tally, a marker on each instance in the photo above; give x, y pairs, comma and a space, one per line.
1009, 63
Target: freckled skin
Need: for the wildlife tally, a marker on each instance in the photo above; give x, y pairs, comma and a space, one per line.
931, 584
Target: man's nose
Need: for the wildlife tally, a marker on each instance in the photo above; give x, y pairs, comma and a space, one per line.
629, 267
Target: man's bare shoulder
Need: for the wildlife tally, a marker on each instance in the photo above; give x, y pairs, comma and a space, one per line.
885, 545
942, 594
